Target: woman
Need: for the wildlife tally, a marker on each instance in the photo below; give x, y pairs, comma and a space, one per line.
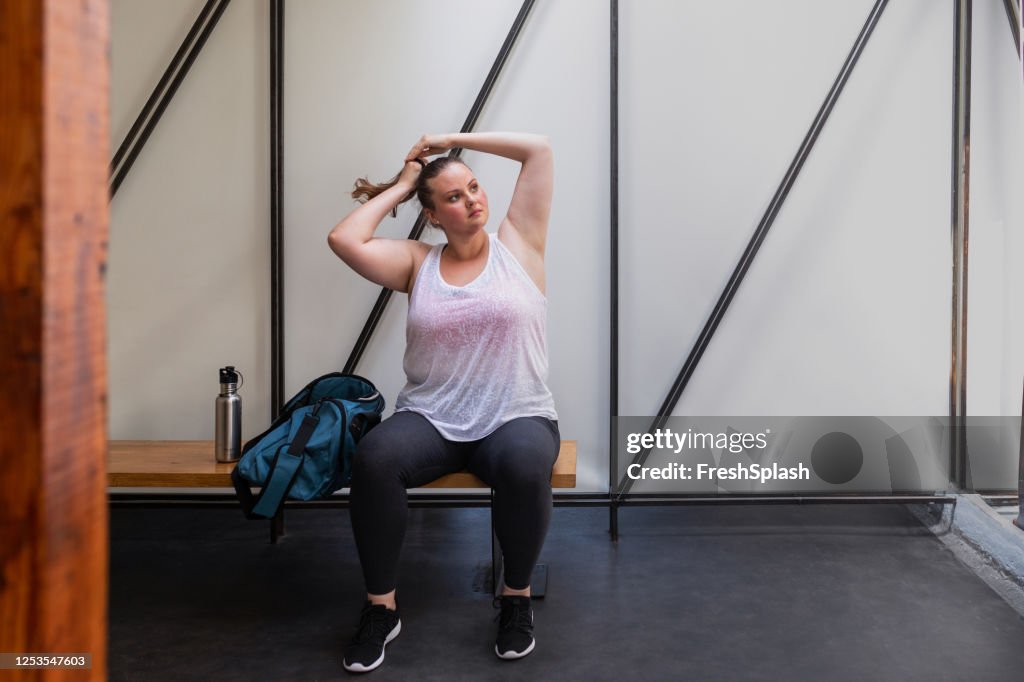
476, 365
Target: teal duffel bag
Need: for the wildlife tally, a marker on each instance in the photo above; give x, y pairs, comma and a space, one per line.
306, 454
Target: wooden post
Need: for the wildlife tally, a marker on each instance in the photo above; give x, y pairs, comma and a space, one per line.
54, 152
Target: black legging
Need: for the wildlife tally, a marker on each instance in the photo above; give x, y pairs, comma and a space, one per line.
406, 451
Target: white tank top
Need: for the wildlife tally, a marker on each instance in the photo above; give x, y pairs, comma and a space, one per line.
476, 355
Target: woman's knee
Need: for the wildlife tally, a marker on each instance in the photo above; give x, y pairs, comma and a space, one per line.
373, 460
521, 469
518, 456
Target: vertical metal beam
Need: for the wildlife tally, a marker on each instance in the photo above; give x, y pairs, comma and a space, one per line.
384, 297
960, 179
613, 346
164, 92
276, 207
759, 234
1019, 521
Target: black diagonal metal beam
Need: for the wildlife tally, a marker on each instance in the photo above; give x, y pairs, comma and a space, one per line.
377, 313
154, 97
164, 92
1013, 16
276, 207
759, 234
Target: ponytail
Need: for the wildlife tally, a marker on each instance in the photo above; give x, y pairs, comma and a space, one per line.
364, 190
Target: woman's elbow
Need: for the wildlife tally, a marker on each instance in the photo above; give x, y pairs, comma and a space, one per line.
542, 149
341, 246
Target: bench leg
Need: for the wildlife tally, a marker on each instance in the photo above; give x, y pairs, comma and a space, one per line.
613, 521
539, 581
277, 526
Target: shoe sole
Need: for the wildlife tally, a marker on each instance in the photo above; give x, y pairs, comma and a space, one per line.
512, 655
360, 668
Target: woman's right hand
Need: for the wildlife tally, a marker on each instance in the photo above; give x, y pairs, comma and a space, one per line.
410, 174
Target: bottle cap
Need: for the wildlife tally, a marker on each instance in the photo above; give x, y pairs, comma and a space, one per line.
228, 375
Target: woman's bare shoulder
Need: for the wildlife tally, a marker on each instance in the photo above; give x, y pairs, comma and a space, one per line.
419, 254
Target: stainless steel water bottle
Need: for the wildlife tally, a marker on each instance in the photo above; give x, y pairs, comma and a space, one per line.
228, 444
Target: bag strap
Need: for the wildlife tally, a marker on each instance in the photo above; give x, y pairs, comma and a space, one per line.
283, 472
243, 492
300, 399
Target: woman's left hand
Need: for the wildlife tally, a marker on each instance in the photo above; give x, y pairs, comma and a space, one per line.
429, 145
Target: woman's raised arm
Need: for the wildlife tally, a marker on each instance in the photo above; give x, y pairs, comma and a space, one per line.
387, 262
530, 207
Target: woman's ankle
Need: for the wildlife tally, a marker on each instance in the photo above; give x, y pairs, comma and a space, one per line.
387, 599
506, 590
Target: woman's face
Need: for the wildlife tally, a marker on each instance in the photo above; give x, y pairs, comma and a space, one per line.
460, 203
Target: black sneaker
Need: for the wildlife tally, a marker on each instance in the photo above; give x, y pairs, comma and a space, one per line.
378, 625
515, 627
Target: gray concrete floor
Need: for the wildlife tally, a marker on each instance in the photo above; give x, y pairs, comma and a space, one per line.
838, 592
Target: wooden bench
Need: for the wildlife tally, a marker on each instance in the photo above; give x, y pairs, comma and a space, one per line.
191, 464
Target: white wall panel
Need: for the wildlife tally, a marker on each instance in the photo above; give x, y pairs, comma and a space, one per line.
845, 309
362, 84
995, 363
188, 278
